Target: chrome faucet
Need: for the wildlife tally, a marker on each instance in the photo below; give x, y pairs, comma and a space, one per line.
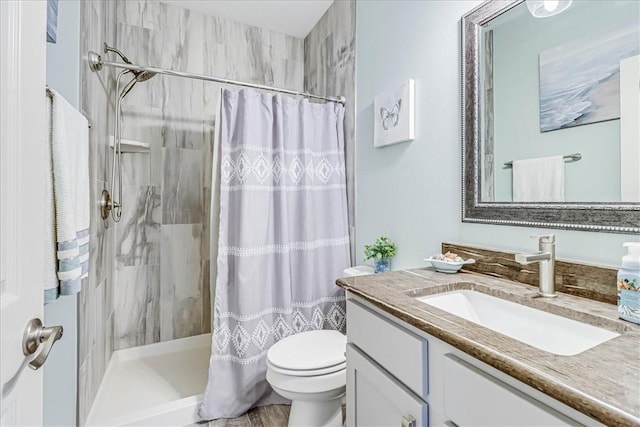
546, 256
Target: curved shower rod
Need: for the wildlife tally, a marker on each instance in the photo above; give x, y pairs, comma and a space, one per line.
96, 63
111, 204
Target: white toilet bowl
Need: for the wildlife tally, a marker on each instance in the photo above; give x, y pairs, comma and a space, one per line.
309, 369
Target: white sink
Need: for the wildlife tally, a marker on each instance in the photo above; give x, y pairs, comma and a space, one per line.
546, 331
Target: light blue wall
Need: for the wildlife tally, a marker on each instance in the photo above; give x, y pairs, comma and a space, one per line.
411, 191
60, 371
516, 89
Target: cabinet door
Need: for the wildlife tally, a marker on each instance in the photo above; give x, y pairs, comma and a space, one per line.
375, 398
474, 398
365, 330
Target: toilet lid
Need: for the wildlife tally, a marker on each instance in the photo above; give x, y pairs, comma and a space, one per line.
310, 350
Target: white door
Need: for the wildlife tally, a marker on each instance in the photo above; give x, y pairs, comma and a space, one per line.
22, 143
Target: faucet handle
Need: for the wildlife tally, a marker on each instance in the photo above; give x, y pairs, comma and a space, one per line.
545, 238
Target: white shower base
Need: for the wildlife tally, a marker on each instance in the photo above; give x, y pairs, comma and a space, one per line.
153, 385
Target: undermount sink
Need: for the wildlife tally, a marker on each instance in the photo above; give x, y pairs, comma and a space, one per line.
549, 332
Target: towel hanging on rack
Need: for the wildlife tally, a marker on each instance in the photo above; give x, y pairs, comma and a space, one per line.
50, 93
67, 244
538, 180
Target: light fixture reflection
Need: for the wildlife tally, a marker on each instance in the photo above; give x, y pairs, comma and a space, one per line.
546, 8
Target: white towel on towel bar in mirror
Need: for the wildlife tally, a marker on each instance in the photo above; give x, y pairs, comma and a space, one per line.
538, 180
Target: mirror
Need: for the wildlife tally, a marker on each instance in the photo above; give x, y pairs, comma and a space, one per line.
565, 86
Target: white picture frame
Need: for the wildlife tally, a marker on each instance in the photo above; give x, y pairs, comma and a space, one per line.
394, 115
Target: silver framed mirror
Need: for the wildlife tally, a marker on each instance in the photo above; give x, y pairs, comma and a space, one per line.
479, 163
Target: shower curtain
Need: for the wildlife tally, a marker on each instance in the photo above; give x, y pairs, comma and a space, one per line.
282, 238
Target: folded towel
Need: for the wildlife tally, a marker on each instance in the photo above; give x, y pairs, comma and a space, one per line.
68, 197
538, 180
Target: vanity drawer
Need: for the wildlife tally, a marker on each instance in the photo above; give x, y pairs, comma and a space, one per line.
397, 350
472, 397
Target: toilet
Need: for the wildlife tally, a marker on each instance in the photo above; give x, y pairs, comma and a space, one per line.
309, 369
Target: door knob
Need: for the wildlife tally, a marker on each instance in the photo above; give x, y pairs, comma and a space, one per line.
39, 338
408, 421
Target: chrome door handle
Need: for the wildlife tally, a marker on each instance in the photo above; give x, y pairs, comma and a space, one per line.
408, 421
35, 337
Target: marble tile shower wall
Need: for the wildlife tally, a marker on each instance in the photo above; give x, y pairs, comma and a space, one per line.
329, 69
95, 306
162, 242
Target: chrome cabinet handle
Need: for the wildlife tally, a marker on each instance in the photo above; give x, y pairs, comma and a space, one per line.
408, 421
35, 337
450, 423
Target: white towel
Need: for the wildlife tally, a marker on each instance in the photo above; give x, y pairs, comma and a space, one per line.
68, 196
538, 180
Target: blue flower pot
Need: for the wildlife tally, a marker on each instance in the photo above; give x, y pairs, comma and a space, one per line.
382, 265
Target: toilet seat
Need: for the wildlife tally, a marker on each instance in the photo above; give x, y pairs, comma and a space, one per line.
307, 373
309, 353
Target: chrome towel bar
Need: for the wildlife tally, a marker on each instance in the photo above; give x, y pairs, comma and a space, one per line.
570, 157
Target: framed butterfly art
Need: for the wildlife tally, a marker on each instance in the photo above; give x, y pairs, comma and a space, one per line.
394, 115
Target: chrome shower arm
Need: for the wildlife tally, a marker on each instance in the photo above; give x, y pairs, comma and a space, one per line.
108, 48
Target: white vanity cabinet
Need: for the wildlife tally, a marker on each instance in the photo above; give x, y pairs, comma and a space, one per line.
389, 396
398, 375
377, 399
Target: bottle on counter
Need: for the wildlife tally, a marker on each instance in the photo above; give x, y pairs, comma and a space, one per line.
629, 284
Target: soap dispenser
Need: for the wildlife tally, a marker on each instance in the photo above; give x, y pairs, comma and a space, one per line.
629, 284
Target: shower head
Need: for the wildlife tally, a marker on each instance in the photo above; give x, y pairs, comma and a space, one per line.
143, 76
139, 76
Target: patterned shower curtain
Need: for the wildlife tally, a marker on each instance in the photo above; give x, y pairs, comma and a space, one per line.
282, 238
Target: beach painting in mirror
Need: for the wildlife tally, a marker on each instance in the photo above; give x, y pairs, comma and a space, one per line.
580, 80
394, 115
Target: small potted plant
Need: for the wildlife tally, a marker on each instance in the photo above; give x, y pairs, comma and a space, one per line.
382, 250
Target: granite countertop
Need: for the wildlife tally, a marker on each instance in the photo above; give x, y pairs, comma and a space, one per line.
602, 382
